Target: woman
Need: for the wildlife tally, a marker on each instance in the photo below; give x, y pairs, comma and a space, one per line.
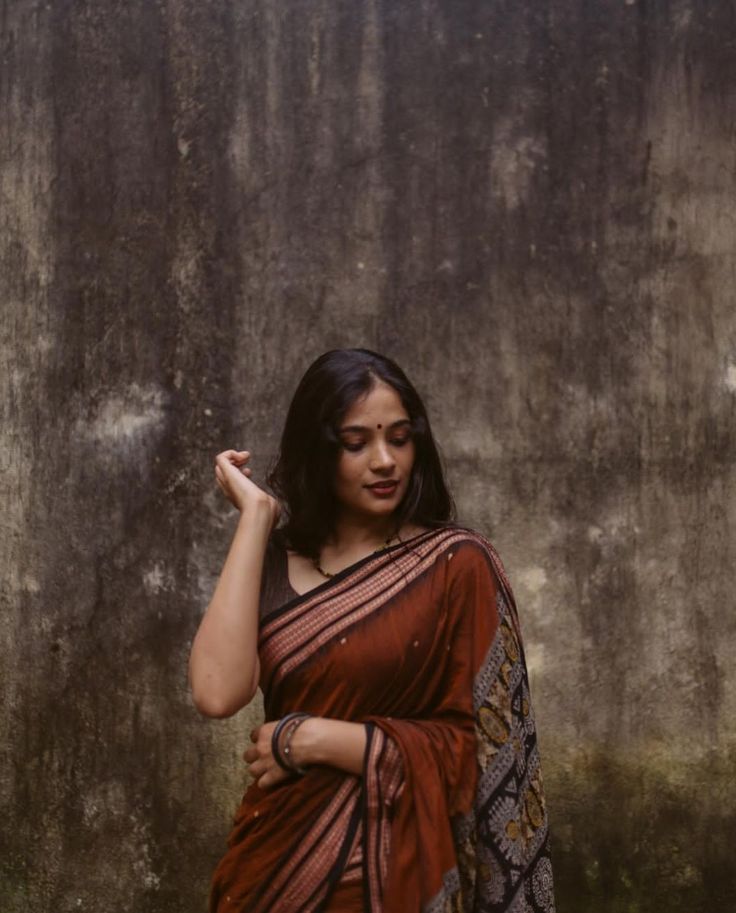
398, 768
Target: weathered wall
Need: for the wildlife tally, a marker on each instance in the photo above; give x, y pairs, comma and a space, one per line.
529, 205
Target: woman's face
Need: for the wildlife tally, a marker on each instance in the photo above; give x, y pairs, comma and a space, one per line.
377, 447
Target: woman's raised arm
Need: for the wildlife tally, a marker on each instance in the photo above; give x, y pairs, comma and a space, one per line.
223, 665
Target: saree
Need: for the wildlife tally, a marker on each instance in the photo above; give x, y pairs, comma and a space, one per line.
421, 643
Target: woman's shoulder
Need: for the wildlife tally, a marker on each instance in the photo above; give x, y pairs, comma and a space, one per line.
275, 588
458, 536
470, 549
474, 554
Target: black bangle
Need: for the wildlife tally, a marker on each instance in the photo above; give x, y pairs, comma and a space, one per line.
275, 750
292, 728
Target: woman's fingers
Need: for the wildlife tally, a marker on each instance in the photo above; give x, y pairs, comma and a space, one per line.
261, 765
270, 777
230, 461
229, 467
233, 456
223, 463
257, 768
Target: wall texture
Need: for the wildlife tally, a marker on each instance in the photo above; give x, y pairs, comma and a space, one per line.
530, 206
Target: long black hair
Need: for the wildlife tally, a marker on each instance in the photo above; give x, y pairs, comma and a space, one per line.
303, 474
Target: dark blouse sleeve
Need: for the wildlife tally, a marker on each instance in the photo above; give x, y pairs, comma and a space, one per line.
275, 589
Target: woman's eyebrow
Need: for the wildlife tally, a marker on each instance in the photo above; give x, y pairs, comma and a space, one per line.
396, 424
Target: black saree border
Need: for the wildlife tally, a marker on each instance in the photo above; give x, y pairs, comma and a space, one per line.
371, 730
337, 870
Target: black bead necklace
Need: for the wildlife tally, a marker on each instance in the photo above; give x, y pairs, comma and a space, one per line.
327, 574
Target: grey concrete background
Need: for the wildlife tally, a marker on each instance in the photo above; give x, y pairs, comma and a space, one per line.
531, 207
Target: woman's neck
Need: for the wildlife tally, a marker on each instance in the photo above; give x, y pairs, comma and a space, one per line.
353, 535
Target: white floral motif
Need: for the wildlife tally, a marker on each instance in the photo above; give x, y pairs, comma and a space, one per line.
542, 884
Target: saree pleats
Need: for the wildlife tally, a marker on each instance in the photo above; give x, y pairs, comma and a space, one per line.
421, 643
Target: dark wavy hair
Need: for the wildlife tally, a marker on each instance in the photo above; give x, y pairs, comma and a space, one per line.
303, 474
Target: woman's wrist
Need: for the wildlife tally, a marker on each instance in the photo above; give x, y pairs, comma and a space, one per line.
336, 743
257, 514
307, 743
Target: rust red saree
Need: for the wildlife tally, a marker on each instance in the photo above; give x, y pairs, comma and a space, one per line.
421, 643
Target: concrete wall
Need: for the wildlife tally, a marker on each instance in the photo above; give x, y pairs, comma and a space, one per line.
530, 206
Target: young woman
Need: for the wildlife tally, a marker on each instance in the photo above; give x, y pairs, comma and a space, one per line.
398, 769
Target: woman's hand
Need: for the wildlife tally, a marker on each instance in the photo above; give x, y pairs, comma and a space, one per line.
317, 740
261, 764
233, 478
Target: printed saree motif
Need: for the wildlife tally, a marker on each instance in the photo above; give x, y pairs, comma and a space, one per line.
421, 643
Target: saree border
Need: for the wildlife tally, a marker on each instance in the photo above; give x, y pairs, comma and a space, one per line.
383, 780
383, 577
350, 569
300, 871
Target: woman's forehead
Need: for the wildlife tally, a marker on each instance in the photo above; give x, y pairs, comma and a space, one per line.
398, 423
380, 406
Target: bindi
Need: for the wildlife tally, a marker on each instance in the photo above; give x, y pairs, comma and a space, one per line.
379, 426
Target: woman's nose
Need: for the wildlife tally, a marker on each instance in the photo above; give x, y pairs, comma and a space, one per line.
381, 457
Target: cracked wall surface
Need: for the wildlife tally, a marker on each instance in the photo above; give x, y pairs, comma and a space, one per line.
529, 206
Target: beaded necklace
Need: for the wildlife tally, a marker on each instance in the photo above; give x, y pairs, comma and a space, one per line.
327, 574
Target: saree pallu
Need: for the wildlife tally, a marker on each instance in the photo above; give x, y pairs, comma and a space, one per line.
421, 643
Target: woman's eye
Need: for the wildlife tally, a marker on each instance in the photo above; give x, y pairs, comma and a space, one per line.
395, 442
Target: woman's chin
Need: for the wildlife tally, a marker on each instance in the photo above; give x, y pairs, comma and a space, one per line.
376, 509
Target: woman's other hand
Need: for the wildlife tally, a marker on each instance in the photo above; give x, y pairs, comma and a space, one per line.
233, 478
317, 740
261, 764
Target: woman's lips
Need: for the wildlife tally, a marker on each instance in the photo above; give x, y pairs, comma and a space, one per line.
383, 489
